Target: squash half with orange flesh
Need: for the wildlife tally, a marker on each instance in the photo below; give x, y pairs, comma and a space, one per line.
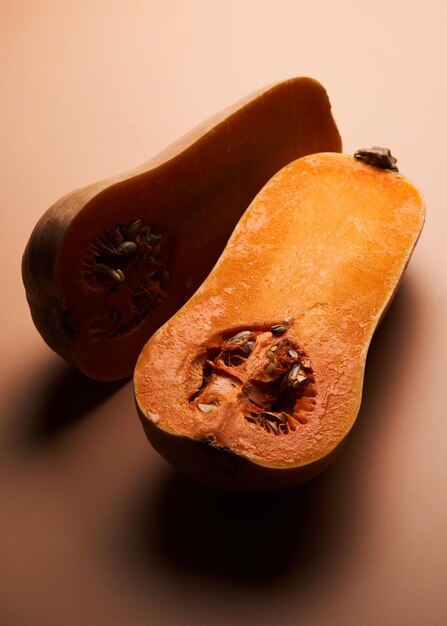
108, 264
255, 383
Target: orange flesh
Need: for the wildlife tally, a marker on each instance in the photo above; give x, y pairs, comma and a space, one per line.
192, 194
324, 242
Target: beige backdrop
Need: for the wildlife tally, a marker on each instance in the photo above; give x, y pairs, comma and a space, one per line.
94, 527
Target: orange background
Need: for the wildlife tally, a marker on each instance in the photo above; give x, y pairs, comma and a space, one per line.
94, 527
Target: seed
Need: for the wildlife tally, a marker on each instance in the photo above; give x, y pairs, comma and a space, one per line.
127, 248
268, 426
117, 237
274, 427
247, 347
301, 380
117, 275
153, 238
278, 329
293, 354
289, 320
272, 417
133, 229
270, 368
293, 374
306, 363
206, 408
242, 335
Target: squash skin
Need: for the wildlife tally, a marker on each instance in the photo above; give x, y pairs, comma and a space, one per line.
220, 468
193, 193
323, 246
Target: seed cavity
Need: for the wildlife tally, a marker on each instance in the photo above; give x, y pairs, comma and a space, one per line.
270, 380
133, 253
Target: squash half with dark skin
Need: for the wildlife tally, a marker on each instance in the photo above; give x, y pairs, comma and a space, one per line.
108, 264
256, 382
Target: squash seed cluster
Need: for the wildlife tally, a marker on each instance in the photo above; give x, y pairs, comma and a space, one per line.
135, 254
273, 374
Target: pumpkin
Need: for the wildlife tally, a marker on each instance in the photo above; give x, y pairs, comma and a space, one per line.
108, 264
256, 382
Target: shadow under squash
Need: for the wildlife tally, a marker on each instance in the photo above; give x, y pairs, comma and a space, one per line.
56, 400
279, 538
236, 536
241, 541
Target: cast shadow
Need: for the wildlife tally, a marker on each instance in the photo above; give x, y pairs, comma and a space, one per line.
56, 399
234, 537
280, 539
393, 346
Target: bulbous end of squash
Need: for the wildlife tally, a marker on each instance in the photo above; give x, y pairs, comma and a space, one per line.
256, 382
108, 264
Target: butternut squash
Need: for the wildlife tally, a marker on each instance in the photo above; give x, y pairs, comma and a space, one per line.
107, 264
256, 382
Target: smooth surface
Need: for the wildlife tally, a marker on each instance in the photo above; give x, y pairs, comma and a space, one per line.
94, 527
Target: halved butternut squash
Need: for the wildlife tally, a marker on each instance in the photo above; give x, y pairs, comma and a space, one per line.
108, 264
256, 382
